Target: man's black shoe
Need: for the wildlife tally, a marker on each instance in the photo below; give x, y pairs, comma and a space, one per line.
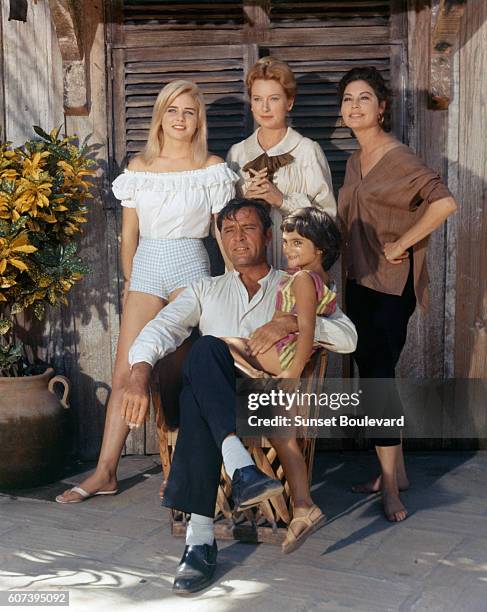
196, 568
250, 486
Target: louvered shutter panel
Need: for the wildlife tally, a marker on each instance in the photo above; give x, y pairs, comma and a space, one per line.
182, 14
316, 12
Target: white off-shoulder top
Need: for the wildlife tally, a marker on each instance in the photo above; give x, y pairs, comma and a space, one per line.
173, 205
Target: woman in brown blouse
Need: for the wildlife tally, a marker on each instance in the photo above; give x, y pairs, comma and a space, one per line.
389, 204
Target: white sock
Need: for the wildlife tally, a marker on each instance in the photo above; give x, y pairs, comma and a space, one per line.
235, 455
200, 530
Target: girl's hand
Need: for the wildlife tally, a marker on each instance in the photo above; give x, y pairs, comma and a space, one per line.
394, 253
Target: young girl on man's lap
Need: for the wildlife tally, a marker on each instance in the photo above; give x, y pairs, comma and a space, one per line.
311, 243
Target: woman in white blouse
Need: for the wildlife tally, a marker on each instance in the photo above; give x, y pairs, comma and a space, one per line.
169, 194
276, 164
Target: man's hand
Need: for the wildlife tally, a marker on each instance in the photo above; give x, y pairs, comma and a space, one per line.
135, 403
264, 337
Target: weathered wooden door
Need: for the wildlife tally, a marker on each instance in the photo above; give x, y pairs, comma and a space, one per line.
214, 43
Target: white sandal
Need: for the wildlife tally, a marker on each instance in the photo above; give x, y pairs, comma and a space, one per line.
84, 495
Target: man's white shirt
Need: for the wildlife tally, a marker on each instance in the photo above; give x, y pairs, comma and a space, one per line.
220, 306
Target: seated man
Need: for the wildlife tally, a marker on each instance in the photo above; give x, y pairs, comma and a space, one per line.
240, 303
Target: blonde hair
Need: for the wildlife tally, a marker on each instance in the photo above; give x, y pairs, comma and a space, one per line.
166, 97
269, 68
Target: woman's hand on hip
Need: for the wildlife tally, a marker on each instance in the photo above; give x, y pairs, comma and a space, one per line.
394, 252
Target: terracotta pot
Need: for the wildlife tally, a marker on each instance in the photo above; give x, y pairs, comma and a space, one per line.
33, 430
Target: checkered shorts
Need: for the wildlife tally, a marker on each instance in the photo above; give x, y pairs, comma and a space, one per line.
161, 266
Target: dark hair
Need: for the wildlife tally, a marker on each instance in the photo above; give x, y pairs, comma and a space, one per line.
319, 227
372, 77
233, 206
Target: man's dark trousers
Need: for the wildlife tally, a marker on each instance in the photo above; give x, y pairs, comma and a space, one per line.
207, 416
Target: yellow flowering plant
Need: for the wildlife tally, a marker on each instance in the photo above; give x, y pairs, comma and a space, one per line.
44, 188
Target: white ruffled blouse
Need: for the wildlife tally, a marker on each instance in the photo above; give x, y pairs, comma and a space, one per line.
173, 205
306, 181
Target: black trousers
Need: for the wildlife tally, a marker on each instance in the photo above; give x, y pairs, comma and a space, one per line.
382, 322
207, 416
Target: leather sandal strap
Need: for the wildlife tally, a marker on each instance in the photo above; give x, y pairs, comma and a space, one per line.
306, 519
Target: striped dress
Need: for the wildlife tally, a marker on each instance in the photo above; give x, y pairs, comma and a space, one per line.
286, 302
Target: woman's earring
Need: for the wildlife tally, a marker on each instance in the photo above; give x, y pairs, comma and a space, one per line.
340, 122
380, 118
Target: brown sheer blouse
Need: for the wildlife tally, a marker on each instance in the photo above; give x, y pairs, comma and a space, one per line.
380, 208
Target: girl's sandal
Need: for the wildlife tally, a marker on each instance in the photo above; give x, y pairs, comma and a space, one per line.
312, 520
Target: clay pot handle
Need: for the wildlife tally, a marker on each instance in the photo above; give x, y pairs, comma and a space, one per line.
65, 382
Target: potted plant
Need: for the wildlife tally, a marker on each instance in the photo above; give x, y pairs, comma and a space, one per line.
44, 188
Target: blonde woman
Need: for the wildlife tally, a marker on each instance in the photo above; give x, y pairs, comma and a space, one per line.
276, 164
169, 194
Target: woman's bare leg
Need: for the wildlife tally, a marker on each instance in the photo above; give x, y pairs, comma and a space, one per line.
389, 460
375, 485
140, 308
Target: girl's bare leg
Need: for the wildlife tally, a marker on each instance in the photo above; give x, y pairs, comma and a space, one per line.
295, 470
140, 308
296, 473
255, 367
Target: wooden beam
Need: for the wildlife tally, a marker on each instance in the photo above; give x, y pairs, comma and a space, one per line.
444, 39
68, 25
278, 37
68, 29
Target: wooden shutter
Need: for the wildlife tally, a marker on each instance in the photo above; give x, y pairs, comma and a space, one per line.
155, 42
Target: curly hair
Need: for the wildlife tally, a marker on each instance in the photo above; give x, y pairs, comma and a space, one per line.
317, 226
372, 77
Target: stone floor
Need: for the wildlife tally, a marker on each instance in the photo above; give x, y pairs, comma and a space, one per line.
118, 552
